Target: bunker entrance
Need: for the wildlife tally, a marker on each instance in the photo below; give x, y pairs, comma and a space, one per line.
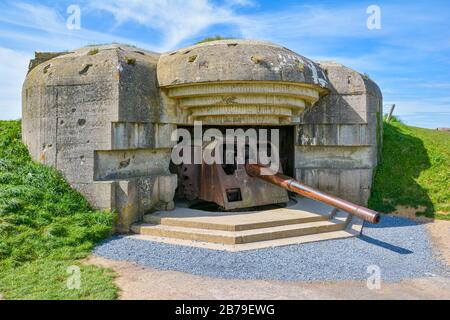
227, 186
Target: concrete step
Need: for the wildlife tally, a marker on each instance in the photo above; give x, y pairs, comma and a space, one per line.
238, 237
341, 234
234, 221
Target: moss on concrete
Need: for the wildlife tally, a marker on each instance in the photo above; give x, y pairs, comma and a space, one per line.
93, 52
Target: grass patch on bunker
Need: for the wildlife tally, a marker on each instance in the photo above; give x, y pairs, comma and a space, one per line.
45, 227
215, 38
93, 52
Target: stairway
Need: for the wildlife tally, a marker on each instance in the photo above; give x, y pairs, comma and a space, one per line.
304, 221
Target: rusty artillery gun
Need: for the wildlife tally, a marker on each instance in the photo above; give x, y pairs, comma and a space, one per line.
242, 186
288, 183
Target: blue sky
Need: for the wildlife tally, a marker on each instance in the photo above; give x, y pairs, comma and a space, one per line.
409, 57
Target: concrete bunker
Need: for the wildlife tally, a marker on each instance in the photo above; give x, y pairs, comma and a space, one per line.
106, 123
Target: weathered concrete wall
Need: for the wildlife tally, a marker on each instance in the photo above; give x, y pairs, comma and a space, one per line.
94, 115
339, 139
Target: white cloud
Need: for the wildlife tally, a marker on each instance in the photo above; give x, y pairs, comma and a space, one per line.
13, 69
32, 16
47, 29
176, 20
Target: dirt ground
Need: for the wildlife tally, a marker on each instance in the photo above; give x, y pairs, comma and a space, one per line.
440, 236
137, 282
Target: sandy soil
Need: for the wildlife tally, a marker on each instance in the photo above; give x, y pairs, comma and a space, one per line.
409, 212
137, 282
440, 236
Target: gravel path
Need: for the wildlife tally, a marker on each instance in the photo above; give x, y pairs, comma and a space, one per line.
400, 247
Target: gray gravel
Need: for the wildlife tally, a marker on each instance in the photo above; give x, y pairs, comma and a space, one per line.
400, 247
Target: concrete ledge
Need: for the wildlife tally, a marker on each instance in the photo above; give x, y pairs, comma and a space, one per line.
336, 157
250, 246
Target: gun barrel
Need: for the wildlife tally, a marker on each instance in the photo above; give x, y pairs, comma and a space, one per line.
293, 185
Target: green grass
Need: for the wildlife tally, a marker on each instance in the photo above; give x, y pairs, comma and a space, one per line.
93, 52
45, 227
47, 279
130, 61
215, 38
415, 171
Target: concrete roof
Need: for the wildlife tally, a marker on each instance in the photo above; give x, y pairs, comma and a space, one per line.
237, 60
